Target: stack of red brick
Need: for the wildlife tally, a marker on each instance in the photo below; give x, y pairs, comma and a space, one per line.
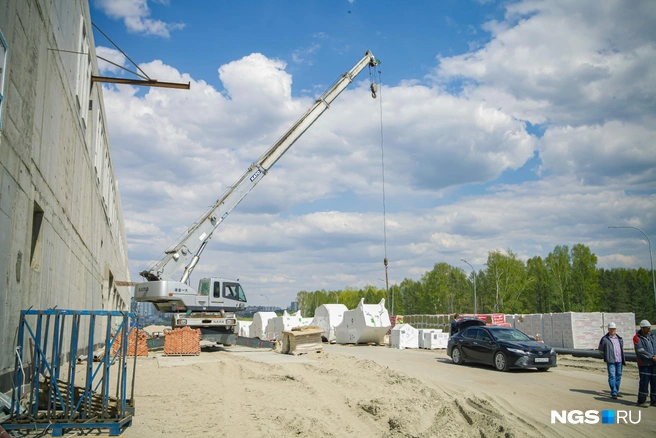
140, 343
182, 341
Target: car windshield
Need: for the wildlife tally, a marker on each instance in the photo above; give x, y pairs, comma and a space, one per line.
509, 335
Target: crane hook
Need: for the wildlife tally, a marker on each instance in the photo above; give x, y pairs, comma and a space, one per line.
374, 89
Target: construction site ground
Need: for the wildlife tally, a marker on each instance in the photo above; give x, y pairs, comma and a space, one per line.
369, 391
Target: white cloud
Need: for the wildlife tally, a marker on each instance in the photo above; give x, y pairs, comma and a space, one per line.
111, 55
565, 62
134, 14
316, 219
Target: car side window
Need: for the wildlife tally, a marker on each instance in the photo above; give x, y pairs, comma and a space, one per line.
470, 333
482, 335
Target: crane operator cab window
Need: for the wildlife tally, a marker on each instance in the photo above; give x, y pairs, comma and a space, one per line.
233, 291
204, 288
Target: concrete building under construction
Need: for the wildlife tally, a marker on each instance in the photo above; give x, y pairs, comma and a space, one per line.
62, 236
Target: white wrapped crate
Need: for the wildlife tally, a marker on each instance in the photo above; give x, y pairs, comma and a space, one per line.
436, 340
258, 327
404, 336
276, 325
327, 317
367, 323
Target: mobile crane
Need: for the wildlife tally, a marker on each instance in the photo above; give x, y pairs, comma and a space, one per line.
212, 307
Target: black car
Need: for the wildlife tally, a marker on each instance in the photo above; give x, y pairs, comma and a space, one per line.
503, 347
462, 322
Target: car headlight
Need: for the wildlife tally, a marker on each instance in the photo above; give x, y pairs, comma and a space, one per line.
516, 351
553, 351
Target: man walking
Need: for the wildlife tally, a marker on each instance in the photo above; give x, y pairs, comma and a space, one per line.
611, 346
644, 343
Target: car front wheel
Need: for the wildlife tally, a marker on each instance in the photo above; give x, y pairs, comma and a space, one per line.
500, 361
456, 356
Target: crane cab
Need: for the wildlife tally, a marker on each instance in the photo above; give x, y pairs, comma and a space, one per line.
215, 294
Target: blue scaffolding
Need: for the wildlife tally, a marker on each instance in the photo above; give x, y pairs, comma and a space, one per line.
67, 391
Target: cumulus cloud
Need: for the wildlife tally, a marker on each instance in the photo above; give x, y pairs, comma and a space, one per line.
466, 172
135, 15
116, 58
564, 62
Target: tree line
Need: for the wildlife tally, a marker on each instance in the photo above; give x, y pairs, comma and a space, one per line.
567, 280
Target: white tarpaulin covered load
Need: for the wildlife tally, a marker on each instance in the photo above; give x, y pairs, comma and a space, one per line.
404, 336
327, 317
276, 325
435, 340
364, 324
243, 328
258, 327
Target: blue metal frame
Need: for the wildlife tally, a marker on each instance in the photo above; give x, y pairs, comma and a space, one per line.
62, 410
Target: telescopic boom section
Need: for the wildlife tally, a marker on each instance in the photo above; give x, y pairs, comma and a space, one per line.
192, 244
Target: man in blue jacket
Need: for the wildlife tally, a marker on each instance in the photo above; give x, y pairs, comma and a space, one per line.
611, 346
644, 343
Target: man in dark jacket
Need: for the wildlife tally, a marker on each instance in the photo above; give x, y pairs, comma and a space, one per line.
644, 343
611, 346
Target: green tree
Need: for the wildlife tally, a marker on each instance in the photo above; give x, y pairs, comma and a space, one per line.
560, 271
410, 296
509, 279
538, 291
585, 279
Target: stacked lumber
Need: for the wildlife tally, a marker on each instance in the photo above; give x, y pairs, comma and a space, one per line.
300, 340
140, 344
182, 341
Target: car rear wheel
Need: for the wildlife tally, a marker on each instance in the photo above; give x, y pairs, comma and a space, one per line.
456, 356
500, 361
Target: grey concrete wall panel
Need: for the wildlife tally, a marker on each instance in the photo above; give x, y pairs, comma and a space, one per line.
49, 142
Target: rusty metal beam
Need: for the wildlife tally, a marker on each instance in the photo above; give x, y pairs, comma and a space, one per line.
125, 283
151, 83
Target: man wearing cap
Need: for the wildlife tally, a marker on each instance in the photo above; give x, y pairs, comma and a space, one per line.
611, 346
644, 343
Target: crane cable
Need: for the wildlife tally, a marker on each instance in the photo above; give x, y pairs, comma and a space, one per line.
378, 90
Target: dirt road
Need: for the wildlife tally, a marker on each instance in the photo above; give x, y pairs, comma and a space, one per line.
526, 395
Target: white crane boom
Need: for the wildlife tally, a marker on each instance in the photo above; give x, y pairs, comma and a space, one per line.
191, 245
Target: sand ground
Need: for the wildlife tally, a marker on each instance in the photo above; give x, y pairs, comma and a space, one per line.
366, 391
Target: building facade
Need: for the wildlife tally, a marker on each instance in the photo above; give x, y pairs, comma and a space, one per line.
62, 237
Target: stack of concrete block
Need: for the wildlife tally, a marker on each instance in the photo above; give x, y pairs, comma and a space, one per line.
547, 333
583, 331
575, 330
626, 326
529, 324
183, 341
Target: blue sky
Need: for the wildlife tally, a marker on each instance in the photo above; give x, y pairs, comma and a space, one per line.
515, 125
